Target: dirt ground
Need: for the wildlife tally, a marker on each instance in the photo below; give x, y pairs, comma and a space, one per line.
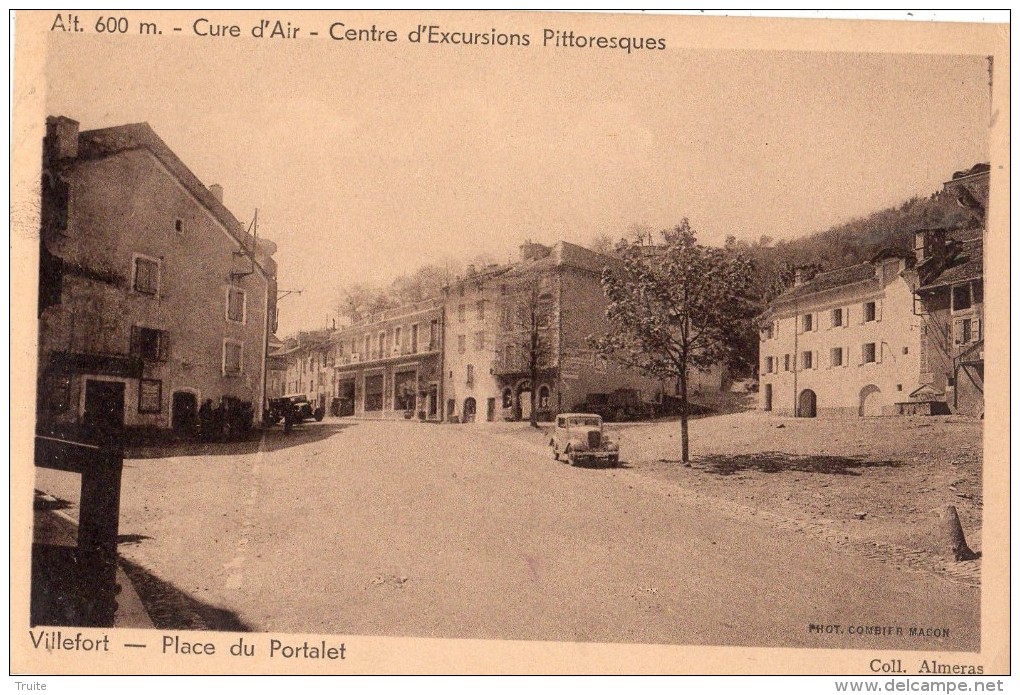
872, 485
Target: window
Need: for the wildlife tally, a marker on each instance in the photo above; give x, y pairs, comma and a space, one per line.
461, 343
434, 335
543, 397
868, 353
806, 359
906, 350
508, 398
178, 226
368, 347
381, 345
480, 309
836, 357
146, 275
232, 358
869, 311
806, 322
770, 364
461, 311
470, 375
543, 311
150, 344
837, 317
961, 297
414, 338
235, 305
396, 339
405, 389
786, 363
506, 319
150, 396
480, 340
768, 332
966, 334
374, 392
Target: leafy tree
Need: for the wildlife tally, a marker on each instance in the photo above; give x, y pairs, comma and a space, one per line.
672, 308
524, 330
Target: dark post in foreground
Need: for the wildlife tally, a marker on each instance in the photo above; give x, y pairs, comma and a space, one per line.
100, 466
951, 534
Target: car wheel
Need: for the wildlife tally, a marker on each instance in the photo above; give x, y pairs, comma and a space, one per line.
319, 414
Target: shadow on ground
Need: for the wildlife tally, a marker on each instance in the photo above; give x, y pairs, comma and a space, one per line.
169, 608
273, 439
776, 462
64, 587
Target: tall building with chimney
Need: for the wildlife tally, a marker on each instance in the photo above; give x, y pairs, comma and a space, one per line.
153, 297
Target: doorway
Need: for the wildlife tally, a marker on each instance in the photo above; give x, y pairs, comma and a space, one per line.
469, 409
807, 404
104, 407
871, 401
490, 409
768, 396
185, 410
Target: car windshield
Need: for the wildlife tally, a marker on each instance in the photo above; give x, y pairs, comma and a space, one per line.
584, 422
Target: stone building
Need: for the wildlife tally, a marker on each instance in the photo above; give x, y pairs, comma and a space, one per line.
950, 299
845, 343
389, 364
153, 297
308, 357
502, 320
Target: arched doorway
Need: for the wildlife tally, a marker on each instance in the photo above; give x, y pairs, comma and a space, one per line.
807, 404
469, 409
185, 412
871, 401
524, 400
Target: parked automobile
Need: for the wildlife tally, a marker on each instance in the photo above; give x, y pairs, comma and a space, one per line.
581, 438
298, 405
620, 405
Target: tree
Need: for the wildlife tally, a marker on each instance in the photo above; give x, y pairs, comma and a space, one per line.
672, 308
524, 330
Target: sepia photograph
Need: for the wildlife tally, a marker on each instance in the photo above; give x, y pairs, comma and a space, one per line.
655, 342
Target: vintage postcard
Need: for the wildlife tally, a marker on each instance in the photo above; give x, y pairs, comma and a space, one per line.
508, 342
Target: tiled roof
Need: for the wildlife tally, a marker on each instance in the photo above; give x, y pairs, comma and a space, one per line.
966, 265
829, 280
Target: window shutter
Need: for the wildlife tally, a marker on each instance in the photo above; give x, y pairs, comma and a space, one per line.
164, 346
846, 322
136, 341
976, 330
846, 356
957, 331
878, 309
814, 321
814, 360
863, 346
878, 351
863, 314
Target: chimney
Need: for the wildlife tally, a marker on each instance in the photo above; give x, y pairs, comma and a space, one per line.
61, 138
798, 277
217, 191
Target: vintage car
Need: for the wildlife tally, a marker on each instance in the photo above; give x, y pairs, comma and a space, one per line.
297, 404
580, 438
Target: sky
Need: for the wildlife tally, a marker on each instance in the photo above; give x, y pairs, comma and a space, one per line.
366, 160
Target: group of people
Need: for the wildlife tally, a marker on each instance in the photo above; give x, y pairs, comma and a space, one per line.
231, 419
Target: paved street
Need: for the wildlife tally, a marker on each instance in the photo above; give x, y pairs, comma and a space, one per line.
406, 529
